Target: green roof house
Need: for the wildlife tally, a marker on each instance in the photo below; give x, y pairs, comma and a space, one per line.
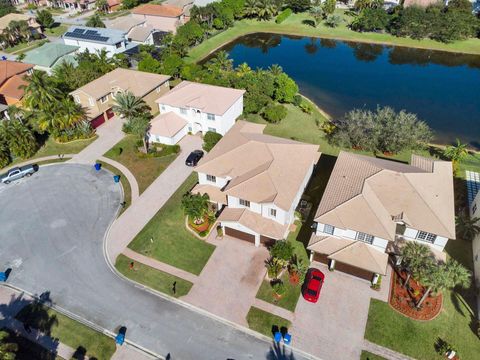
49, 55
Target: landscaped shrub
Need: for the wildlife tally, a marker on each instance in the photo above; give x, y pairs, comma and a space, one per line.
210, 140
279, 288
282, 250
283, 15
306, 107
82, 130
333, 20
297, 100
274, 113
273, 267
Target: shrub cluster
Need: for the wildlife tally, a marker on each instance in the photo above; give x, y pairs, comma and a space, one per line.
283, 15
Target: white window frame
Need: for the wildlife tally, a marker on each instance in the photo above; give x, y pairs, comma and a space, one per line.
363, 237
426, 236
243, 202
211, 178
210, 117
328, 229
104, 99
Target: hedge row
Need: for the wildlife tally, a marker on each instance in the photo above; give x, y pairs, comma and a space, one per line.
283, 15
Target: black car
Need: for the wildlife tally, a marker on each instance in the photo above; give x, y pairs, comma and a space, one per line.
194, 158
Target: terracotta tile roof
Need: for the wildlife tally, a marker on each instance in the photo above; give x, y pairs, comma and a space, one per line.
366, 194
10, 68
158, 10
208, 98
261, 168
11, 87
167, 125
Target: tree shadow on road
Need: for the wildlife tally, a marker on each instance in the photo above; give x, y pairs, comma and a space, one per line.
280, 352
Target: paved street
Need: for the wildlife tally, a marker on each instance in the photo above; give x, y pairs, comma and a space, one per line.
52, 238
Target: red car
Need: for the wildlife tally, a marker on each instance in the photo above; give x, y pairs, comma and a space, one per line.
312, 285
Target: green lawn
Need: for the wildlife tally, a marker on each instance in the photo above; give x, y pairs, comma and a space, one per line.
369, 356
171, 242
294, 26
156, 279
24, 47
56, 30
388, 328
263, 322
68, 331
115, 14
127, 190
145, 170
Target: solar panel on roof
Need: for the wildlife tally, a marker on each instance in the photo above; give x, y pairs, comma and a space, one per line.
85, 36
91, 32
78, 31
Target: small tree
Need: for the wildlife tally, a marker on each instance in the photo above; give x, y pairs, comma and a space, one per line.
285, 89
318, 13
457, 152
329, 6
333, 20
467, 228
195, 206
210, 140
282, 250
95, 21
45, 18
414, 257
274, 113
273, 267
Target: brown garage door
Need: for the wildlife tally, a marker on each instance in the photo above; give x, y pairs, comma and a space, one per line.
321, 258
239, 234
352, 270
266, 241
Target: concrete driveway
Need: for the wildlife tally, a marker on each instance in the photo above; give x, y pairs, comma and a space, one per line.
334, 327
229, 282
52, 237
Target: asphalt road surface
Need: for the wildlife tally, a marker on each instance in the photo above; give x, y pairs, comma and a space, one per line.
52, 229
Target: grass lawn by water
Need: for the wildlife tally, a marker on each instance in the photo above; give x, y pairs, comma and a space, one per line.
171, 242
369, 356
294, 25
145, 170
263, 321
391, 329
56, 30
127, 190
68, 331
156, 279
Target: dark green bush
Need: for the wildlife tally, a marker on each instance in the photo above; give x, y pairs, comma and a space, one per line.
274, 113
210, 140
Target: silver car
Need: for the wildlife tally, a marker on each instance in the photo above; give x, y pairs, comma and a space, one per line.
18, 173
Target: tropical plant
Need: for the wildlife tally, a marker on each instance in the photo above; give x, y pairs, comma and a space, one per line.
279, 287
243, 69
333, 20
298, 266
282, 250
414, 257
274, 266
95, 21
457, 152
68, 114
317, 13
266, 9
5, 157
329, 6
41, 92
221, 62
101, 5
130, 106
467, 228
7, 348
275, 70
19, 137
195, 206
45, 18
250, 8
285, 88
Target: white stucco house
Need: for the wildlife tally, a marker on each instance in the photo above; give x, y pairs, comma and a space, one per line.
475, 213
256, 181
95, 39
371, 207
192, 108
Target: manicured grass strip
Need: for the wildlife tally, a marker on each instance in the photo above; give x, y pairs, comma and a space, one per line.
288, 300
156, 279
145, 170
68, 331
127, 190
166, 238
57, 30
263, 321
24, 47
369, 356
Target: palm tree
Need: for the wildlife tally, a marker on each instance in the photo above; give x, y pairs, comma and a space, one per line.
457, 152
129, 106
250, 8
102, 5
7, 349
243, 69
5, 157
95, 21
275, 70
20, 138
467, 228
69, 114
414, 257
265, 9
195, 206
41, 92
221, 61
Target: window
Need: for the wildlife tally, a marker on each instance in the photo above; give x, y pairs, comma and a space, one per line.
474, 209
425, 236
118, 45
159, 89
245, 203
364, 237
273, 212
211, 116
104, 99
329, 229
91, 101
77, 99
163, 107
211, 178
183, 111
212, 129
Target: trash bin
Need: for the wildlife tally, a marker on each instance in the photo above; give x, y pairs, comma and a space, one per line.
116, 178
120, 338
3, 276
97, 166
287, 339
277, 337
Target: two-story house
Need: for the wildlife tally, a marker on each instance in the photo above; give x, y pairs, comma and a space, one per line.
257, 181
162, 17
98, 96
96, 39
13, 76
33, 25
372, 206
475, 214
193, 107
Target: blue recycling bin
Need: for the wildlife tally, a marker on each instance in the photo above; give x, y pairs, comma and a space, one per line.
120, 339
277, 336
3, 277
97, 166
287, 339
116, 178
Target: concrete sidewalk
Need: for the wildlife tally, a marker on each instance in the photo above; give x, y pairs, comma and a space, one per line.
128, 225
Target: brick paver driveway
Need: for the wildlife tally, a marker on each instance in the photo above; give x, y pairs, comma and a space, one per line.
229, 282
334, 327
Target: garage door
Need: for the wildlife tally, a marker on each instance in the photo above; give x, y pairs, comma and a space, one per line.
99, 120
322, 258
264, 240
352, 270
239, 235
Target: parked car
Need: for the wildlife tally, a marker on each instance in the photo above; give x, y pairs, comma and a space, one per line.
194, 158
18, 173
312, 285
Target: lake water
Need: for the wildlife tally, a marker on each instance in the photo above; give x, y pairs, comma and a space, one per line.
441, 88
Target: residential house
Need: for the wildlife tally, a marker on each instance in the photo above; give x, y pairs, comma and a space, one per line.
137, 30
50, 55
113, 5
257, 181
34, 27
73, 5
475, 214
193, 107
95, 39
161, 17
185, 5
12, 78
98, 96
373, 206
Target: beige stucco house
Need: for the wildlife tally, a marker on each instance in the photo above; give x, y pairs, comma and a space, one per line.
372, 206
160, 17
257, 181
98, 96
35, 27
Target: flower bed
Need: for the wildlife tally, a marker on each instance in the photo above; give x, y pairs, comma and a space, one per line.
202, 229
404, 299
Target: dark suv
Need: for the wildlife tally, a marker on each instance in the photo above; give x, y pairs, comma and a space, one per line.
194, 158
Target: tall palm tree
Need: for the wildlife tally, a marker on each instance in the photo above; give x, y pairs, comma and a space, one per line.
41, 92
195, 206
222, 61
275, 69
250, 8
414, 256
69, 114
467, 228
266, 9
243, 69
20, 138
456, 152
129, 106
